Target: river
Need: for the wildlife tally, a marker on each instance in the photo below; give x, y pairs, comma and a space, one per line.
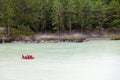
92, 60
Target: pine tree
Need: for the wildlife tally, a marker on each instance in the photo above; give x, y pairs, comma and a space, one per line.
99, 13
7, 14
71, 12
57, 18
113, 15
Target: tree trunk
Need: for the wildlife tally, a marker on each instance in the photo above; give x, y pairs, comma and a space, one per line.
81, 28
59, 31
70, 29
99, 30
70, 26
8, 30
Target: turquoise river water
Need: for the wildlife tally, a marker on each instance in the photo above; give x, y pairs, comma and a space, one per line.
92, 60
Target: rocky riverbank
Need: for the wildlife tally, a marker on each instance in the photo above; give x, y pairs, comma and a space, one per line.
40, 38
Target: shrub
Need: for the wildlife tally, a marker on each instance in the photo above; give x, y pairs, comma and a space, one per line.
21, 32
25, 30
115, 37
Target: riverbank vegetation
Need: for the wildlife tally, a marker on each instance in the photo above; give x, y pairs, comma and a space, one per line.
28, 17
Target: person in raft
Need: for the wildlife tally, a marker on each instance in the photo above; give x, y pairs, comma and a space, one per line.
27, 57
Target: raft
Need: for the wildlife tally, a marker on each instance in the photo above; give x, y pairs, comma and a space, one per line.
28, 57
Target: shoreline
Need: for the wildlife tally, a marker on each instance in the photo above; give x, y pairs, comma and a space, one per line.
52, 38
56, 41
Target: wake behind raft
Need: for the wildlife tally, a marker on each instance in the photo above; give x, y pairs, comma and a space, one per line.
28, 57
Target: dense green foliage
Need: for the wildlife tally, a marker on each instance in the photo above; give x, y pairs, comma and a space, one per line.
60, 15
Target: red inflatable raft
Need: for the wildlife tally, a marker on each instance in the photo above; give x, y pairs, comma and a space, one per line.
28, 57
